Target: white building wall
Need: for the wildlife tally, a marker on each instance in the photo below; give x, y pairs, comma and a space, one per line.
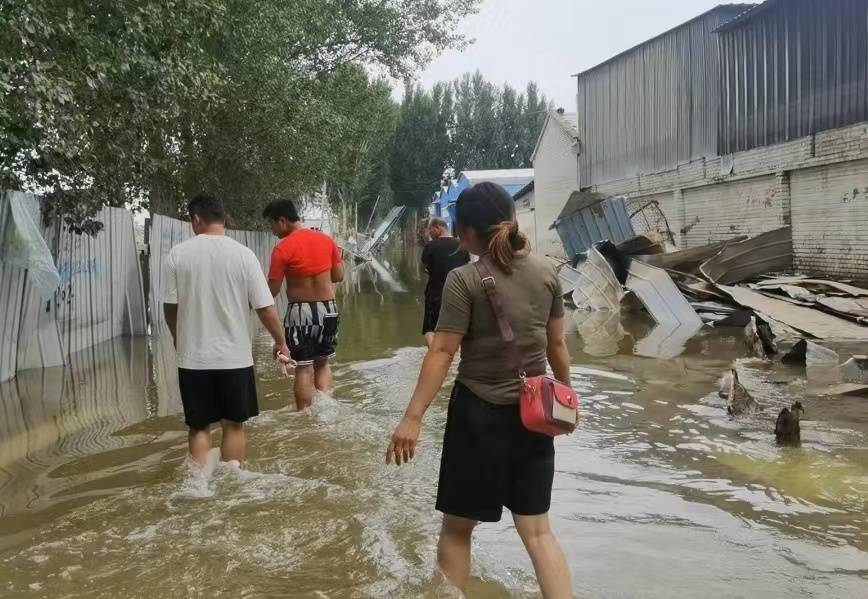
555, 178
525, 214
830, 219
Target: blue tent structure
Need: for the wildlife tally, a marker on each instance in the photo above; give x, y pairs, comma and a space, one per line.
513, 180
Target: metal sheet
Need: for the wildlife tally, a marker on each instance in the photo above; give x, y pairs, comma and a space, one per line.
766, 253
793, 291
568, 276
654, 106
382, 230
843, 287
853, 308
100, 297
597, 287
807, 320
167, 232
791, 70
604, 220
686, 260
660, 296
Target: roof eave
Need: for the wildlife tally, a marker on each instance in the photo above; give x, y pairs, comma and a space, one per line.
747, 7
745, 17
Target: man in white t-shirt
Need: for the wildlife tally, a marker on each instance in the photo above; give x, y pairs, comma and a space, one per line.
211, 283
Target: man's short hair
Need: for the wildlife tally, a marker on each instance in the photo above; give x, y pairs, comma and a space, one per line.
207, 207
437, 222
281, 208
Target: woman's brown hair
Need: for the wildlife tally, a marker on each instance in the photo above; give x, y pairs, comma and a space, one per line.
488, 209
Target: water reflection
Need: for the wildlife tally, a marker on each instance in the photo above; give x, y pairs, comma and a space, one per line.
666, 340
659, 494
49, 416
601, 331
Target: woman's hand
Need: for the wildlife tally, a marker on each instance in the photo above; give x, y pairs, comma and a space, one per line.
403, 446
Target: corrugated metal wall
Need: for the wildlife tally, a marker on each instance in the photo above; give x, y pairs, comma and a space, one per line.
606, 220
652, 107
12, 285
100, 297
830, 220
101, 294
167, 232
790, 71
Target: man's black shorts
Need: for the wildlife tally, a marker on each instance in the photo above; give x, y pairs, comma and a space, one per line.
213, 395
312, 331
432, 311
490, 461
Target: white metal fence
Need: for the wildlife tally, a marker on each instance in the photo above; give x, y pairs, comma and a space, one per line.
167, 232
100, 295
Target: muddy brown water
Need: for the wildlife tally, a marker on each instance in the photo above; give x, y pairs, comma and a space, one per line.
659, 494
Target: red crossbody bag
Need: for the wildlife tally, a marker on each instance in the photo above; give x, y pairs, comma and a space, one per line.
547, 405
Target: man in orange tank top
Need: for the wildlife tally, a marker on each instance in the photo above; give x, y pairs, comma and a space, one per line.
310, 263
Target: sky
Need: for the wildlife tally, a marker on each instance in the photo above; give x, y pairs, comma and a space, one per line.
547, 41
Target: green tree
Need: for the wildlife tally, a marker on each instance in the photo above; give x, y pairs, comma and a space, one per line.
421, 145
476, 121
534, 116
143, 101
467, 124
511, 131
87, 88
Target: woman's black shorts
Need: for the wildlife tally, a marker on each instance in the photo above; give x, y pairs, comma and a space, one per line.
213, 395
490, 461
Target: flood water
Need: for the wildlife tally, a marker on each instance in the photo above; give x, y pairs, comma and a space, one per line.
659, 494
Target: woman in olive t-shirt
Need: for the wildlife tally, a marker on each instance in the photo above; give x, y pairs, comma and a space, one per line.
490, 461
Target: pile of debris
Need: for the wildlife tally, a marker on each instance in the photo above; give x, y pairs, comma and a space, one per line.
364, 246
734, 283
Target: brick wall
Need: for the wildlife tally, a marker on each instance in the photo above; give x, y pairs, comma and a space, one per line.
718, 212
830, 220
819, 184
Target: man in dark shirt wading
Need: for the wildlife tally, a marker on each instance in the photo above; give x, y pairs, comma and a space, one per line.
442, 254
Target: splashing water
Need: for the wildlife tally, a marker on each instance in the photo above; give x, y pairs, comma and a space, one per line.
659, 493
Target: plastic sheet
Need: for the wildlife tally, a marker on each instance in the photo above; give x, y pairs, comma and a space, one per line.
23, 244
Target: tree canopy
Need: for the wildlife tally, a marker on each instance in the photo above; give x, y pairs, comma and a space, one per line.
466, 124
119, 102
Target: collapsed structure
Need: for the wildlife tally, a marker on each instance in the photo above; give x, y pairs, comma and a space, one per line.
743, 120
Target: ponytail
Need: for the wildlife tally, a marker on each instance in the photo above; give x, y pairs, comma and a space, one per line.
504, 242
489, 210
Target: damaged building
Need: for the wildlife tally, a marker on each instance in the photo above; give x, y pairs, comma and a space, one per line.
744, 120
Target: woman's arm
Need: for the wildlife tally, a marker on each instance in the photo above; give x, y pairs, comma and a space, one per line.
556, 350
435, 366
